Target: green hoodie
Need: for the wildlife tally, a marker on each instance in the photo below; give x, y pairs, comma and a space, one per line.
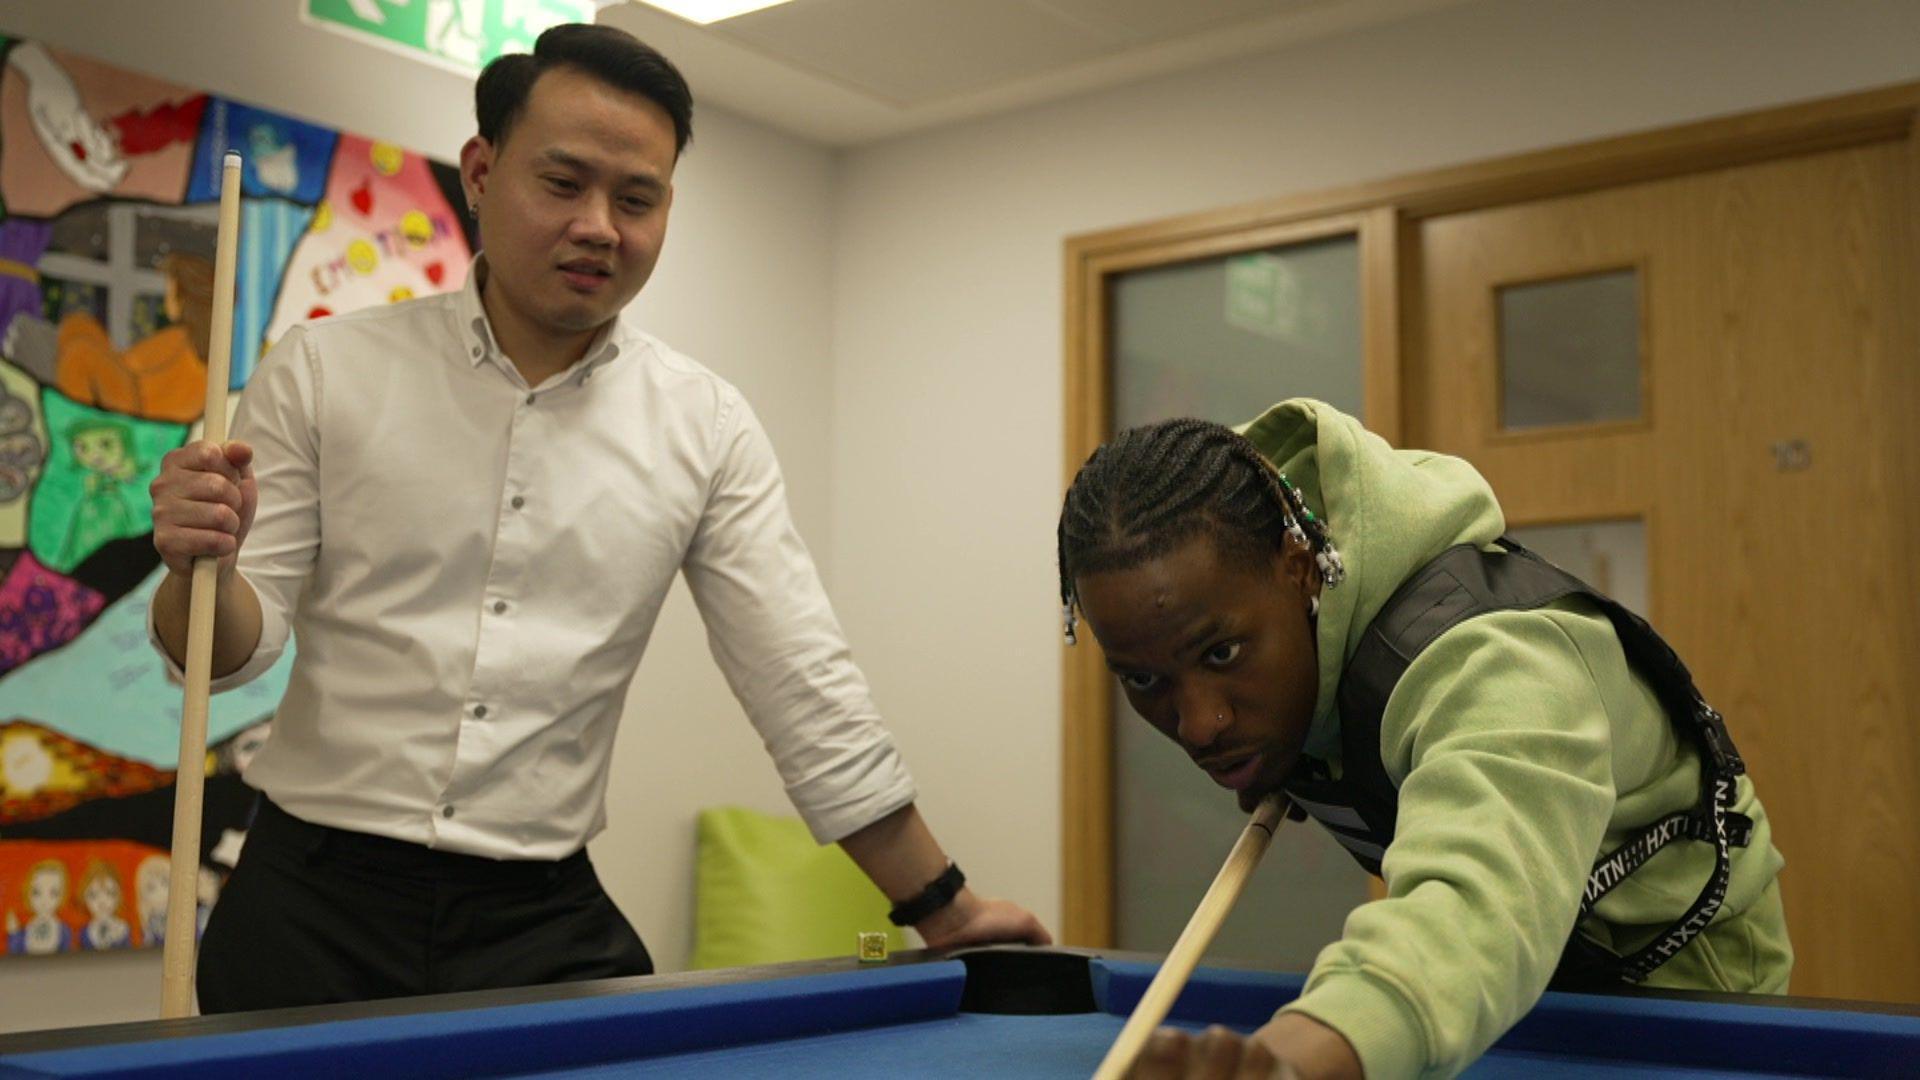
1523, 746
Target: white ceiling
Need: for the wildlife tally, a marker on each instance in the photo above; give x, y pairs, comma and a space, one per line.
844, 72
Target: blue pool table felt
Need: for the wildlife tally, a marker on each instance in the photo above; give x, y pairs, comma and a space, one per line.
906, 1020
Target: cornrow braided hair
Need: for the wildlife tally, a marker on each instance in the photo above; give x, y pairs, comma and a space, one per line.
1154, 487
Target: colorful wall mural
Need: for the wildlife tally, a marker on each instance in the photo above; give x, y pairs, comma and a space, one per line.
108, 204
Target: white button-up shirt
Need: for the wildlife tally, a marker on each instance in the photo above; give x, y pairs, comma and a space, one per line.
472, 568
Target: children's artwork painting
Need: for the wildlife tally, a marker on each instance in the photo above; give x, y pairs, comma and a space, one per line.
108, 207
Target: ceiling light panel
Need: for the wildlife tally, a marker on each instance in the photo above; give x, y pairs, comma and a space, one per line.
710, 11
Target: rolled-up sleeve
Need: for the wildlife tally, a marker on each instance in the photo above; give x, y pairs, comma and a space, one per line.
278, 416
775, 638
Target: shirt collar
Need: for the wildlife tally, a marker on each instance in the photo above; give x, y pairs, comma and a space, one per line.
613, 340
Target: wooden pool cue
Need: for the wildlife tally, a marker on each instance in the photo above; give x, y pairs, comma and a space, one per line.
1193, 941
176, 985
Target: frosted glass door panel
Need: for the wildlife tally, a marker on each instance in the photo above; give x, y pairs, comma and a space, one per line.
1611, 556
1570, 351
1222, 339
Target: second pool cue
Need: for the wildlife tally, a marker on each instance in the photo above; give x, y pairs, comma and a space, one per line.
176, 986
1193, 941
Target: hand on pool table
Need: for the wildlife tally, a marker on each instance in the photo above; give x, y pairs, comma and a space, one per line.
974, 920
1289, 1047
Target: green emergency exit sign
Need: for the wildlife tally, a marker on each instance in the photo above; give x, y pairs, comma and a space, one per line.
460, 34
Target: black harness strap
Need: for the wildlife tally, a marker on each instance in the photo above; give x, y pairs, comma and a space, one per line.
1360, 807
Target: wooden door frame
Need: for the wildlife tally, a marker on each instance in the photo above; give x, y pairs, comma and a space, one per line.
1384, 215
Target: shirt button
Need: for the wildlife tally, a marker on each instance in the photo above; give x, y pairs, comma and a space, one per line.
518, 502
476, 352
446, 811
499, 607
530, 399
480, 712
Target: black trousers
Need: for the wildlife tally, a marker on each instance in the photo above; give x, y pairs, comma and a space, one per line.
314, 915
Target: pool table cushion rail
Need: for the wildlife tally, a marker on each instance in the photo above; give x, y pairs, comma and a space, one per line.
526, 1038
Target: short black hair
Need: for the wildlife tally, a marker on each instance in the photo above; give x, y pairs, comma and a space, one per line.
613, 56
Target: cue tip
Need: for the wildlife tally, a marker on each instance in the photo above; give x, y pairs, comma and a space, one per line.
231, 160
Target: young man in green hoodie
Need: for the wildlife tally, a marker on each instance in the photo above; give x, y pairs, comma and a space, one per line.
1549, 801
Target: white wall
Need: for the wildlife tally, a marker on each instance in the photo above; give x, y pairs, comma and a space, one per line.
742, 286
948, 301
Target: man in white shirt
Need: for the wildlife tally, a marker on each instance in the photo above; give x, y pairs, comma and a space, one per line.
470, 508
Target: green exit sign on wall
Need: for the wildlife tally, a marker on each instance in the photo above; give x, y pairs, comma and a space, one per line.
460, 34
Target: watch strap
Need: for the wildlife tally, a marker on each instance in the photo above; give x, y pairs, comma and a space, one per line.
938, 894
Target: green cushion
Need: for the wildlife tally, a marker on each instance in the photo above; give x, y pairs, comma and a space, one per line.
765, 893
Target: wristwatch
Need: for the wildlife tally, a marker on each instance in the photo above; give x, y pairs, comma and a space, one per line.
938, 894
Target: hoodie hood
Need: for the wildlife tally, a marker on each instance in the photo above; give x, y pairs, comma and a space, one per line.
1389, 512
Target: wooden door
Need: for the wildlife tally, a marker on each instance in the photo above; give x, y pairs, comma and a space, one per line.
1772, 459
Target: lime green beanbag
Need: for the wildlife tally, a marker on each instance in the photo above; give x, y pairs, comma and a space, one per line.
764, 893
